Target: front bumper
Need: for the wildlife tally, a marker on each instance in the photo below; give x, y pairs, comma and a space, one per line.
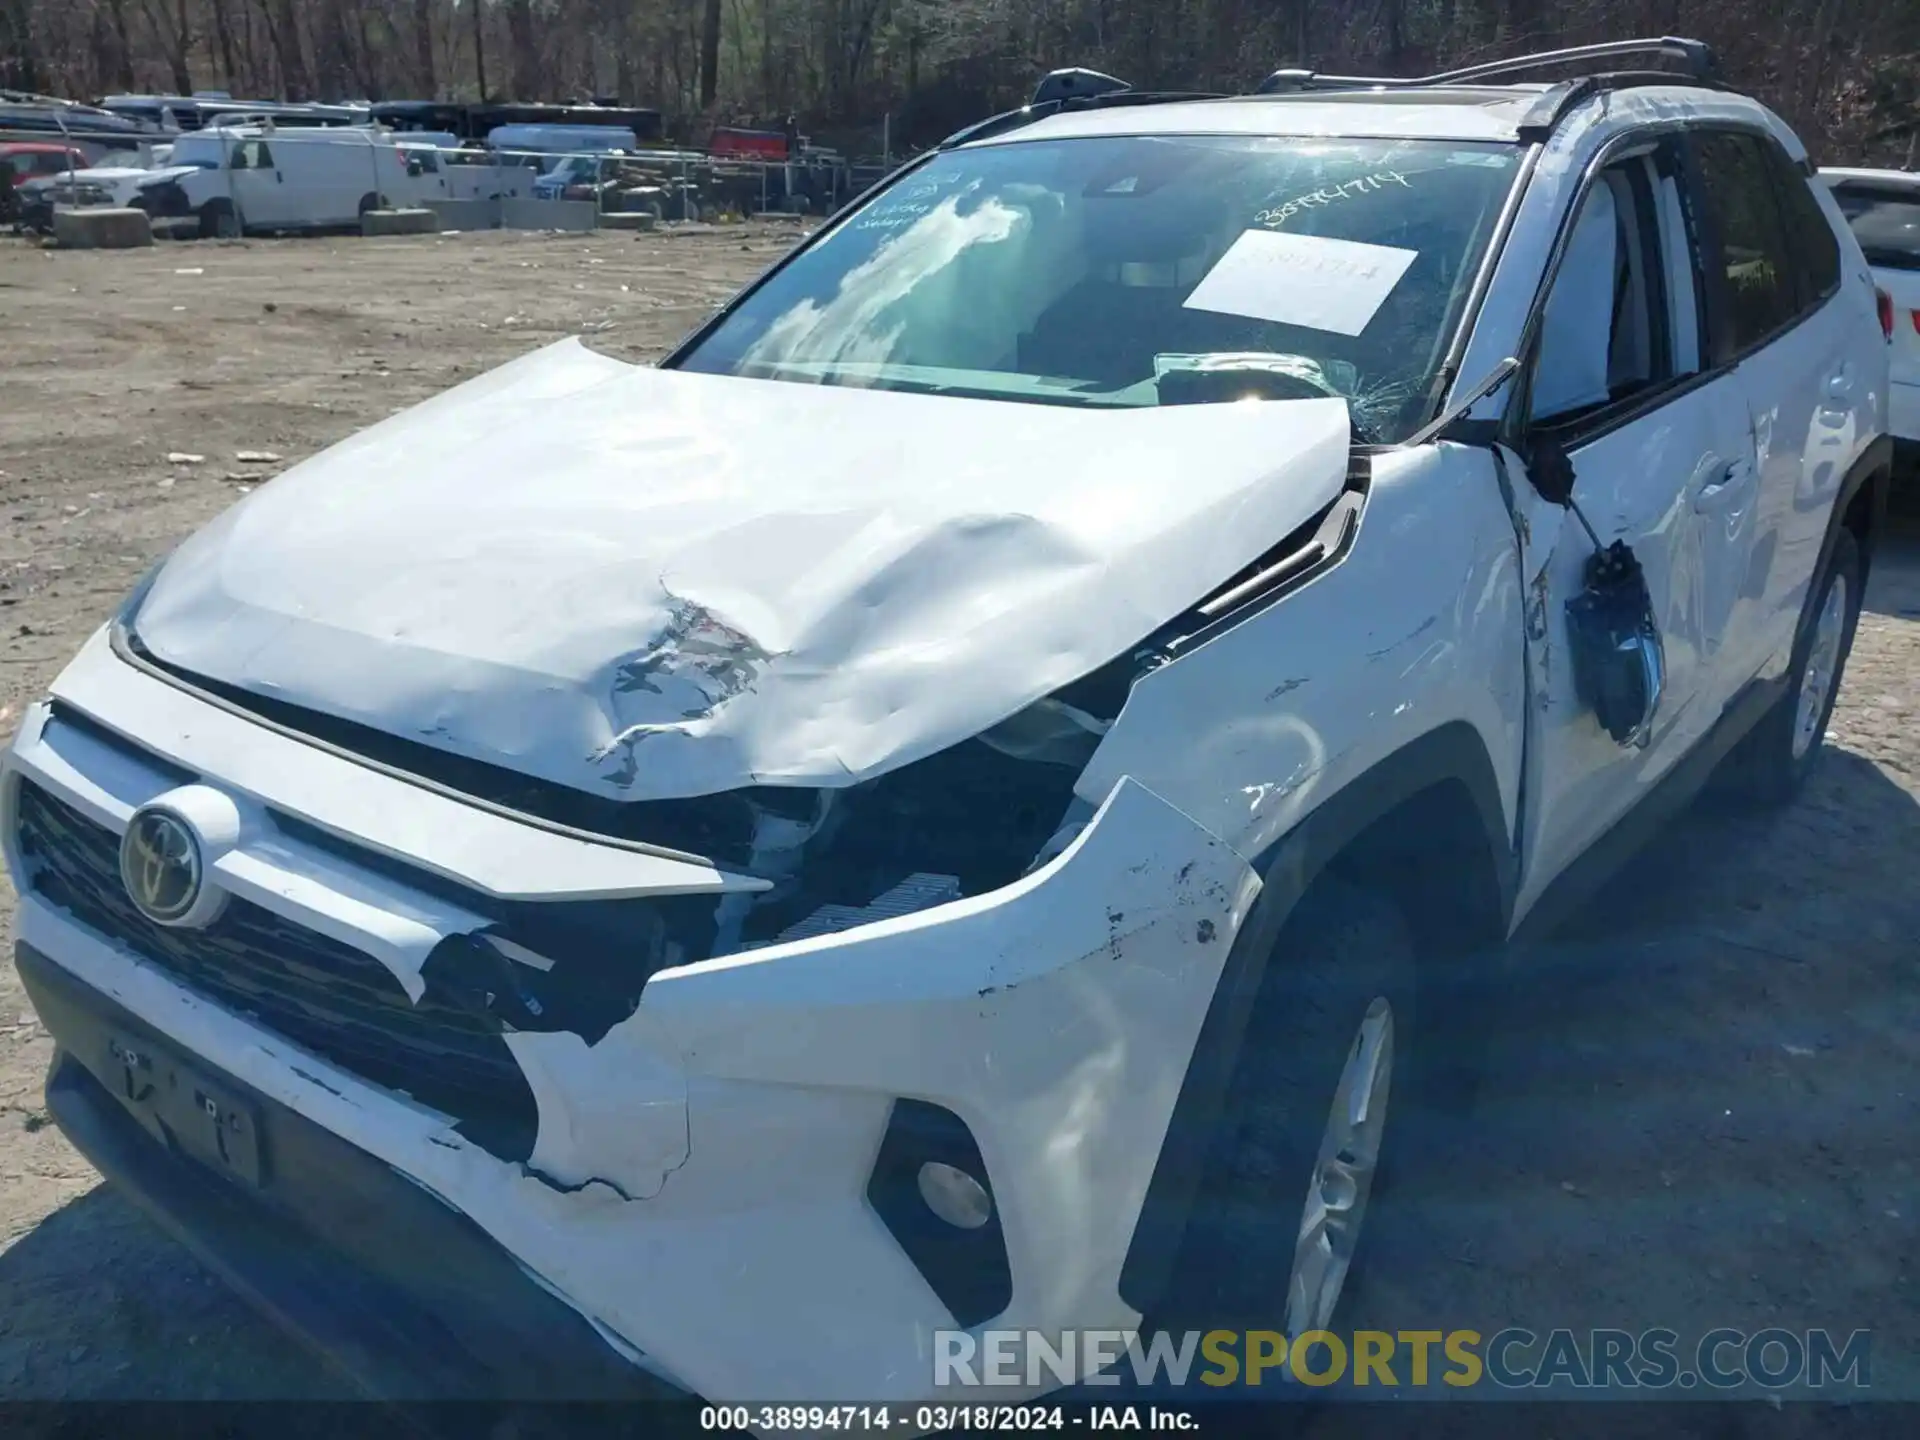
698, 1188
405, 1297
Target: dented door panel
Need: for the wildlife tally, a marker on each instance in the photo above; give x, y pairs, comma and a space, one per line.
1644, 483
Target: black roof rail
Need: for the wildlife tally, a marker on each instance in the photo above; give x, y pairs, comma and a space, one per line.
1047, 102
1696, 58
1552, 106
996, 124
1286, 82
1696, 61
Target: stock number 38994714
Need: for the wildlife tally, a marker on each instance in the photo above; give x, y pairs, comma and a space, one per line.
909, 1418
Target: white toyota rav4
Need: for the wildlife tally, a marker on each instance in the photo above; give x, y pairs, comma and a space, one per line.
846, 837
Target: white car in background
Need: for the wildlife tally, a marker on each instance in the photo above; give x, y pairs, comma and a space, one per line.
100, 185
1883, 209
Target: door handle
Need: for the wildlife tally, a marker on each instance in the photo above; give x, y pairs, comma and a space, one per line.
1840, 384
1724, 484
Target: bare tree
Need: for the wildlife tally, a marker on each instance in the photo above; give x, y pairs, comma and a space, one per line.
223, 36
709, 53
526, 49
283, 31
1845, 73
479, 46
423, 45
172, 24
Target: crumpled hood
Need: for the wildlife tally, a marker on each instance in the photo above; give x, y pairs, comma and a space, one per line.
108, 175
161, 173
645, 583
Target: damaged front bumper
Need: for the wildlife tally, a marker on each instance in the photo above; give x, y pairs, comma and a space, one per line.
419, 1306
724, 1184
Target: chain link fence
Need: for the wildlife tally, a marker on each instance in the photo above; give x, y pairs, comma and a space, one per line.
228, 182
687, 186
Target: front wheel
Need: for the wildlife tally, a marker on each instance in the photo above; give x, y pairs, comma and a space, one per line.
219, 221
1778, 755
1306, 1130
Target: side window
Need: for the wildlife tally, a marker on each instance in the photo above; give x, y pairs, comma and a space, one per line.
1621, 319
1755, 256
262, 157
1886, 222
1816, 252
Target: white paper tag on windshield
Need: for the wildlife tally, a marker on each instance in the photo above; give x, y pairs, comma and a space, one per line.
1310, 280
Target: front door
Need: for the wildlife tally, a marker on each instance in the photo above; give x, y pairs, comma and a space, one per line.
258, 192
1662, 450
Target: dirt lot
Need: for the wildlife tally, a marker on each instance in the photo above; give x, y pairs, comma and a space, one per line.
1702, 1107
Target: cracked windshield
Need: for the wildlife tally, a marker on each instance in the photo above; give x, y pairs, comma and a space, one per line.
1140, 271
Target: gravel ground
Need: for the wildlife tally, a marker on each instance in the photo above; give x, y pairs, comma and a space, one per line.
1701, 1108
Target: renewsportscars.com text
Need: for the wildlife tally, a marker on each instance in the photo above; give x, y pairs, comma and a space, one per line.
1510, 1359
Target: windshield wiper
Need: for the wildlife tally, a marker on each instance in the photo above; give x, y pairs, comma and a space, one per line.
868, 380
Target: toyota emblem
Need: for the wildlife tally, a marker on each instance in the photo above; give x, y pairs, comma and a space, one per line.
160, 866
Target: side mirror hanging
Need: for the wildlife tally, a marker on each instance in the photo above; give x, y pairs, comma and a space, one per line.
1619, 660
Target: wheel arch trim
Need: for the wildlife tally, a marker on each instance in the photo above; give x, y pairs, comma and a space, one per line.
1453, 753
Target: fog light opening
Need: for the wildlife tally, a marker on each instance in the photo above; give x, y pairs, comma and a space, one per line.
955, 1196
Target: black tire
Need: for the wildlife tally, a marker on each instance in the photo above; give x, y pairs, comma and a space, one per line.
1341, 952
219, 221
1767, 769
371, 201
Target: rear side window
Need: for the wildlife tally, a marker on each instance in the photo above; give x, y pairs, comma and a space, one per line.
1756, 257
1816, 252
1885, 220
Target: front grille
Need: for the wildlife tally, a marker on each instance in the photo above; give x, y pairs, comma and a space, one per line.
322, 995
164, 201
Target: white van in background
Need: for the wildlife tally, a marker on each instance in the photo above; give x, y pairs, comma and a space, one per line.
562, 139
250, 179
